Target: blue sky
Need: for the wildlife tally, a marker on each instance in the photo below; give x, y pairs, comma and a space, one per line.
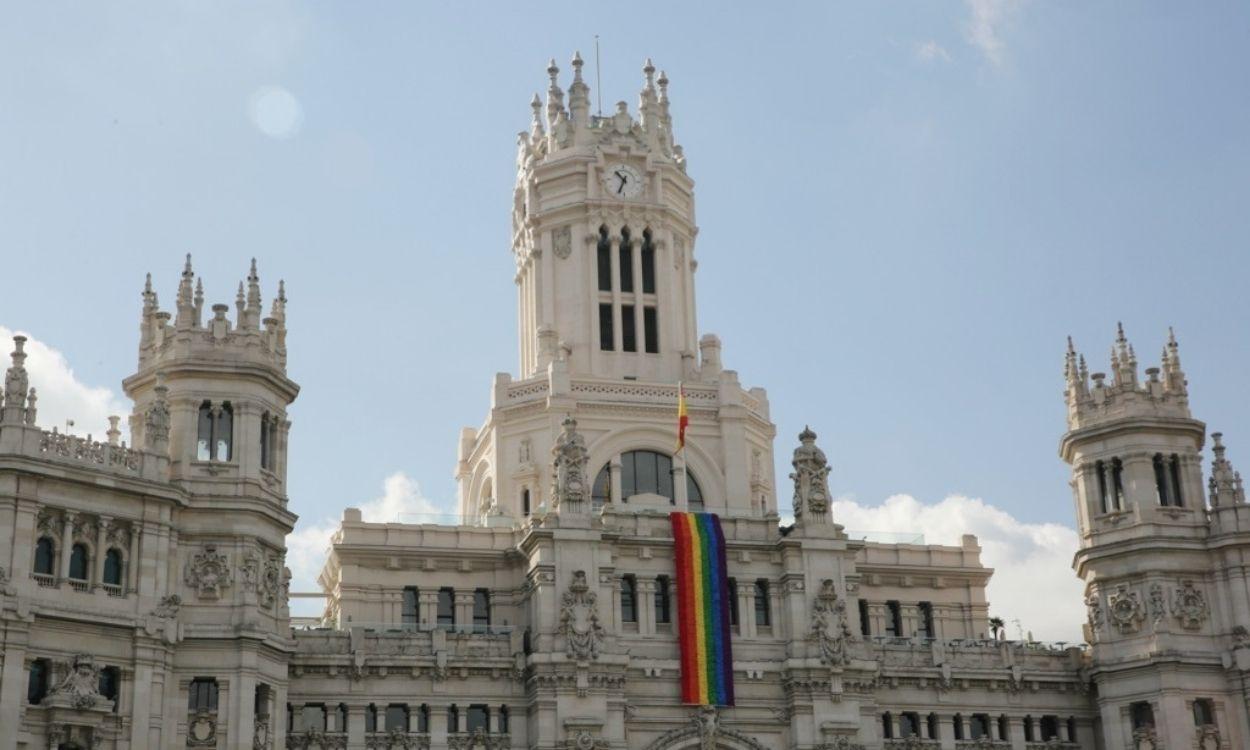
903, 209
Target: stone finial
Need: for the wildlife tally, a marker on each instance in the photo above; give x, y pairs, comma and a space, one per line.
811, 480
570, 491
114, 434
1225, 486
555, 96
579, 95
537, 129
16, 384
31, 399
253, 296
186, 297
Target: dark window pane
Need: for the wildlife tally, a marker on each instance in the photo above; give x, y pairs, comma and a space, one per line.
602, 491
503, 720
411, 601
694, 495
648, 267
204, 433
37, 681
397, 717
478, 718
371, 718
662, 600
627, 475
733, 601
453, 719
423, 719
446, 606
629, 600
627, 267
223, 432
763, 614
664, 476
650, 330
113, 567
203, 694
606, 342
604, 260
646, 478
45, 556
264, 441
481, 609
865, 626
525, 502
78, 560
629, 341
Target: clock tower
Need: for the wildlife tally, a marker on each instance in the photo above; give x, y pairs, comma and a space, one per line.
603, 236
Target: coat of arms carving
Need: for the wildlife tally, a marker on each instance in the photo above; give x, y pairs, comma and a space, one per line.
579, 620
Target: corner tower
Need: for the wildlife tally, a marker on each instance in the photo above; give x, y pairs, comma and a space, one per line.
603, 232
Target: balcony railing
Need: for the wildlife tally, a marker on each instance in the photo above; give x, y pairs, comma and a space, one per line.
397, 739
1052, 744
478, 740
79, 585
315, 739
44, 580
912, 743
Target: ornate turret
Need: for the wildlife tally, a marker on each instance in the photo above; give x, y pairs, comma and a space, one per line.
1225, 487
1125, 396
214, 393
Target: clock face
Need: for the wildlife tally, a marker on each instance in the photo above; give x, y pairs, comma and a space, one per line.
622, 181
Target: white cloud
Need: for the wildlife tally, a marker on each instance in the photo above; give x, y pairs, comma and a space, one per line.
931, 51
985, 25
61, 395
1033, 581
401, 500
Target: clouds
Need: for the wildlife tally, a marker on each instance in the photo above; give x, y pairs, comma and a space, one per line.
931, 51
1033, 581
62, 396
401, 499
985, 25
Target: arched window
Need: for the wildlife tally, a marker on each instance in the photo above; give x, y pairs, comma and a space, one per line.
113, 567
423, 718
645, 472
45, 556
525, 502
79, 562
648, 263
264, 442
371, 718
629, 599
604, 259
1175, 465
204, 433
503, 720
223, 433
763, 613
626, 261
1117, 484
453, 719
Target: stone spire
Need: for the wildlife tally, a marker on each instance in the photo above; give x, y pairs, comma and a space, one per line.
16, 384
186, 299
555, 96
1173, 375
1225, 486
254, 306
648, 107
811, 480
199, 301
240, 307
579, 95
278, 308
537, 132
1123, 360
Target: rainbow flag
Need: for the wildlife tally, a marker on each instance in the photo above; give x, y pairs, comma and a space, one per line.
707, 665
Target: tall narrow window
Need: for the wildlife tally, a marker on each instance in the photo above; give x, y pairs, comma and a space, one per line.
423, 719
980, 726
37, 682
626, 259
412, 597
223, 432
663, 613
908, 725
894, 623
604, 260
932, 722
1050, 728
340, 718
1117, 484
606, 342
1161, 479
525, 502
79, 562
481, 610
478, 718
45, 556
732, 585
264, 441
110, 681
648, 263
204, 433
113, 567
446, 607
887, 726
202, 694
763, 612
1174, 464
397, 717
650, 330
1204, 712
1101, 469
453, 719
629, 599
629, 338
371, 718
504, 720
959, 726
865, 624
926, 620
601, 491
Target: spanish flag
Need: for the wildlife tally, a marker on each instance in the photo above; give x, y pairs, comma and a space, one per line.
683, 417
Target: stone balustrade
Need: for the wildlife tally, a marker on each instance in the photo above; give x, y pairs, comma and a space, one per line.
30, 441
397, 739
315, 739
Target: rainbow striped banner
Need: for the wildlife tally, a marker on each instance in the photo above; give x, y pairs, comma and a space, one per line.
707, 665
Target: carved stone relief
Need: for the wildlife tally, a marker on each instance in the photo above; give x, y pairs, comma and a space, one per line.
80, 687
208, 572
1125, 610
1189, 605
579, 620
562, 242
829, 629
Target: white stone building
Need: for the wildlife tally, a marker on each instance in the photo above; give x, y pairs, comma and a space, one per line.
143, 596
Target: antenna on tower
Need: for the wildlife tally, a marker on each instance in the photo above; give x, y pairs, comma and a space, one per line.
598, 80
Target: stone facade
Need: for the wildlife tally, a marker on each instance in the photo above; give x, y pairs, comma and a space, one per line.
143, 593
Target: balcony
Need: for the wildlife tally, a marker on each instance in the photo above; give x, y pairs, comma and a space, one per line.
913, 742
478, 740
397, 739
315, 739
44, 580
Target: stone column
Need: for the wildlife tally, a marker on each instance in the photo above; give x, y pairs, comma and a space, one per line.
679, 481
645, 608
946, 732
132, 561
67, 544
356, 725
1016, 732
13, 679
614, 479
427, 611
438, 727
614, 256
464, 610
97, 574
